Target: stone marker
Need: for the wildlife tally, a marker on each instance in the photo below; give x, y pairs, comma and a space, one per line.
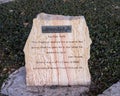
57, 51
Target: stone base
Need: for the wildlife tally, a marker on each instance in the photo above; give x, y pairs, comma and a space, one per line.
15, 85
114, 90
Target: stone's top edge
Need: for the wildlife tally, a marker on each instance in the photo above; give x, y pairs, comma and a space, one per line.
45, 16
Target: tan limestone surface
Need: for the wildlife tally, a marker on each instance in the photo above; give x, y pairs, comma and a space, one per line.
58, 58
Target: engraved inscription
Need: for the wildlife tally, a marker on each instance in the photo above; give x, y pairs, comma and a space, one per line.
59, 48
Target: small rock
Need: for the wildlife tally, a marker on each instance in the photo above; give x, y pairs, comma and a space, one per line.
5, 70
10, 11
5, 1
117, 7
25, 24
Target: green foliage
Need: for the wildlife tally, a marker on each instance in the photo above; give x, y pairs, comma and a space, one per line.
103, 20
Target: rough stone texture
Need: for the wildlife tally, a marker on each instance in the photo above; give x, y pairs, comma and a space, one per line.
114, 90
15, 85
5, 1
